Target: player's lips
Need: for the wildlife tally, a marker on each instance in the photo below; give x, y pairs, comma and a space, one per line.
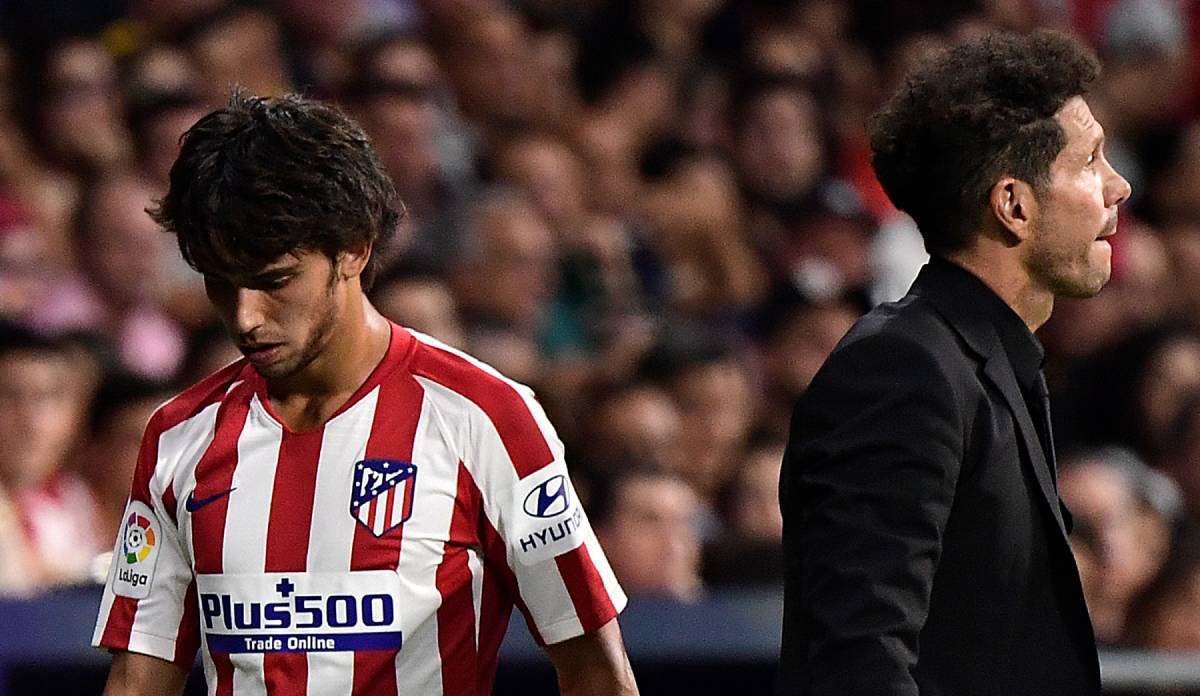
1109, 229
259, 352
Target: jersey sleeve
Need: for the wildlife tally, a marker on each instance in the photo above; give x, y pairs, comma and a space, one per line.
149, 604
544, 541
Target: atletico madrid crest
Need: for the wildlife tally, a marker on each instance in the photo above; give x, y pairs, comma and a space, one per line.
382, 498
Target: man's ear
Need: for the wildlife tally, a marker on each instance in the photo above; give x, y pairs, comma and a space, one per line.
351, 263
1013, 207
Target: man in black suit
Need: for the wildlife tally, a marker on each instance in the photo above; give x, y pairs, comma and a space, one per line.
926, 544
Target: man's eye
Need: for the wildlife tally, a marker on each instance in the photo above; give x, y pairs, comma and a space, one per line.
274, 283
1091, 159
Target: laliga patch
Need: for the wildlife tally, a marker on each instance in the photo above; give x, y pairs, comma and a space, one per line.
547, 520
137, 551
382, 496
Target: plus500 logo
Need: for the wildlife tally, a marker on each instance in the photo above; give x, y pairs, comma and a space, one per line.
301, 612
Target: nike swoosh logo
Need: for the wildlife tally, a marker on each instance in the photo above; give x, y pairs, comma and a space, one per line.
193, 504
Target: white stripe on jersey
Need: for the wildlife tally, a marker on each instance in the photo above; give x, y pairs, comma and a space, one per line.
189, 439
245, 543
345, 440
419, 663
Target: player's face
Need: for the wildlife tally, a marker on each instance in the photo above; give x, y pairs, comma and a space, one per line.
281, 318
1068, 254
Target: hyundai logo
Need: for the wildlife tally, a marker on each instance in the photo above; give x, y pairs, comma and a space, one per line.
548, 499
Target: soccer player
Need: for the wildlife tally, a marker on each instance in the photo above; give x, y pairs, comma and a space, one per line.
353, 508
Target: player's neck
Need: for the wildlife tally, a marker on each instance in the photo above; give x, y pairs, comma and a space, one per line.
306, 400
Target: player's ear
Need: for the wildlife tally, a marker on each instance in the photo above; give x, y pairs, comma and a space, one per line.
1013, 205
352, 262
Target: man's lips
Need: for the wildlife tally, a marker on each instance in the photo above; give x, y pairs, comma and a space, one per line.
1109, 230
258, 350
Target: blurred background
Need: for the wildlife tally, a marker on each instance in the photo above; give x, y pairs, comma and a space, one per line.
658, 213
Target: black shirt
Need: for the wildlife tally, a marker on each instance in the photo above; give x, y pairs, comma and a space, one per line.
1024, 351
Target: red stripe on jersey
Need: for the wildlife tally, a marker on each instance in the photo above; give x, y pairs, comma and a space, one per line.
495, 609
120, 624
456, 615
393, 430
504, 406
214, 475
500, 594
224, 666
592, 604
389, 501
187, 638
287, 542
171, 503
123, 609
292, 502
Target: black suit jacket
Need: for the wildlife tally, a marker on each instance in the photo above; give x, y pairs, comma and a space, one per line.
926, 546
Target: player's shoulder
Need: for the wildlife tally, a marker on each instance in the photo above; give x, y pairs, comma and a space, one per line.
191, 401
463, 376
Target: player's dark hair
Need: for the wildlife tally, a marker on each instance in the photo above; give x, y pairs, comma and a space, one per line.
267, 176
970, 115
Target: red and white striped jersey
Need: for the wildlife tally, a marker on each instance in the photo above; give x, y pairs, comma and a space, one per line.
380, 554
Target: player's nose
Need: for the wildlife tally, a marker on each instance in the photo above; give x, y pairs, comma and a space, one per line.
248, 310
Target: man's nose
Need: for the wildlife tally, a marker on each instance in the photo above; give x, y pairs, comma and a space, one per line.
1117, 190
248, 311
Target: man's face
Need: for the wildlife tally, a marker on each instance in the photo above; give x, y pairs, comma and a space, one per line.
283, 317
40, 410
1068, 254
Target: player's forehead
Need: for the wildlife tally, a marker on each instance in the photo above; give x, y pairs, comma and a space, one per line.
1079, 123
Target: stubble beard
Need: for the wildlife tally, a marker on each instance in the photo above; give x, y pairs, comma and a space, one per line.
1069, 275
313, 347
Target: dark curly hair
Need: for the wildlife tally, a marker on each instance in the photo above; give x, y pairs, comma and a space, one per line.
970, 115
267, 176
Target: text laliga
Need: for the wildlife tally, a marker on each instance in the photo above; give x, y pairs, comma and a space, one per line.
304, 611
132, 577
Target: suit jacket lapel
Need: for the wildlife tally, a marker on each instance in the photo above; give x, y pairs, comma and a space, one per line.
981, 337
1000, 372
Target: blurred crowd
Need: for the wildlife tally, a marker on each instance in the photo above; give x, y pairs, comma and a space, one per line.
658, 213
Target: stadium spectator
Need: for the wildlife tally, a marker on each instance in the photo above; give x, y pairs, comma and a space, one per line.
421, 301
1167, 615
635, 424
1125, 516
750, 549
43, 404
797, 335
647, 522
504, 274
120, 410
128, 264
238, 44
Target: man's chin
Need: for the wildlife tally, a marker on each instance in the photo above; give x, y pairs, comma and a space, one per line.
273, 370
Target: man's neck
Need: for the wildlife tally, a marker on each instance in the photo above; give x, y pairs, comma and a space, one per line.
307, 400
1008, 279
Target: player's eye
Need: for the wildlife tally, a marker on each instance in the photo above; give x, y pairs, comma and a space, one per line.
271, 283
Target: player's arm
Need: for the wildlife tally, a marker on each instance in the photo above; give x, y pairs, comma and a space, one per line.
594, 664
133, 674
867, 488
